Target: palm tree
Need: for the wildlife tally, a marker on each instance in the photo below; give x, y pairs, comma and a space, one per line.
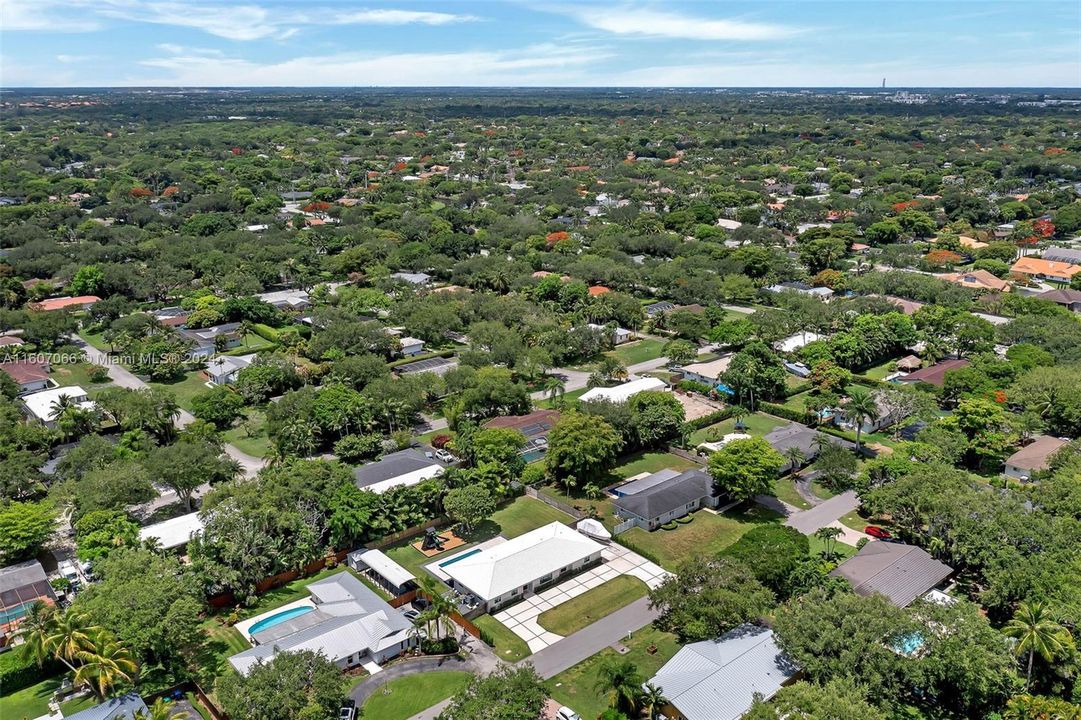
861, 407
828, 535
72, 635
161, 710
622, 680
440, 605
105, 665
37, 630
1037, 633
555, 386
653, 700
592, 491
795, 458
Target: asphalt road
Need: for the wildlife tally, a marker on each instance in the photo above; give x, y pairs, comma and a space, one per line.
821, 515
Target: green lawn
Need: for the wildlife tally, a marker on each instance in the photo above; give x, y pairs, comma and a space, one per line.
251, 343
756, 424
517, 518
633, 353
30, 702
592, 605
879, 372
78, 705
95, 339
405, 697
600, 508
249, 436
707, 534
568, 401
576, 686
842, 551
76, 374
650, 462
190, 385
785, 490
426, 438
508, 646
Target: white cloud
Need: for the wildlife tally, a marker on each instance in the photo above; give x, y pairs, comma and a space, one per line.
73, 59
402, 17
42, 16
660, 24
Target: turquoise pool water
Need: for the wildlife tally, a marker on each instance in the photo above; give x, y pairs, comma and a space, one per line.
909, 644
277, 618
463, 556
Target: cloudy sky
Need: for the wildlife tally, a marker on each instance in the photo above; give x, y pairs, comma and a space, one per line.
71, 43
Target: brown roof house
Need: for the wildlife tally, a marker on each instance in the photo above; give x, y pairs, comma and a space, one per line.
1032, 458
977, 280
935, 374
29, 375
900, 572
1067, 298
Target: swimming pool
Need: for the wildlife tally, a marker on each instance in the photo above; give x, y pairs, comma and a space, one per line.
277, 618
463, 556
908, 644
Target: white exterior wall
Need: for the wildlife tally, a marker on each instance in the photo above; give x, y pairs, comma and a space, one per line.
527, 590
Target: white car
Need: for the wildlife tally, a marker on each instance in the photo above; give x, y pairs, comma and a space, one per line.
444, 456
565, 713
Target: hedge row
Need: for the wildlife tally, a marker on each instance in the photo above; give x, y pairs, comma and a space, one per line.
787, 413
18, 672
707, 420
797, 389
630, 545
266, 332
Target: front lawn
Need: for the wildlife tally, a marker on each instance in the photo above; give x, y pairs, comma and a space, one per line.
785, 491
576, 686
650, 462
31, 702
76, 374
633, 353
592, 605
757, 424
249, 435
707, 534
506, 645
188, 386
406, 696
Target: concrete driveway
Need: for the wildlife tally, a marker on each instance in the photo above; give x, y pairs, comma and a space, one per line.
825, 513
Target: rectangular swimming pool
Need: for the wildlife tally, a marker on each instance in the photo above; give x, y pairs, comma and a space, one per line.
463, 556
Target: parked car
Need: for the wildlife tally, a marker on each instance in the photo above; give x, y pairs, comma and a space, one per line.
411, 614
444, 455
348, 711
877, 532
565, 713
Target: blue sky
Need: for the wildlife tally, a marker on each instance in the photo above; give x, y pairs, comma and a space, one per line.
526, 42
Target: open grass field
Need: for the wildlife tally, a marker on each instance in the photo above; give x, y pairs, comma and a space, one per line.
187, 387
638, 351
508, 646
592, 605
576, 686
707, 534
76, 374
406, 696
785, 490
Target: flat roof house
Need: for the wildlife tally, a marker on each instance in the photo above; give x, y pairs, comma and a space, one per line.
1040, 269
509, 571
81, 302
623, 393
287, 299
437, 365
1032, 458
650, 504
345, 620
900, 572
29, 375
43, 406
417, 278
378, 566
174, 532
794, 342
719, 679
402, 468
708, 373
21, 585
934, 374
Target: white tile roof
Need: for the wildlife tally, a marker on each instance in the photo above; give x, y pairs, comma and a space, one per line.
497, 570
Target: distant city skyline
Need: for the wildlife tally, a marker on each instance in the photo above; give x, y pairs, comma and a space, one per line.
105, 43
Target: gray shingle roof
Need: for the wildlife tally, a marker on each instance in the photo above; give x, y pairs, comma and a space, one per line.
669, 495
391, 466
717, 679
900, 572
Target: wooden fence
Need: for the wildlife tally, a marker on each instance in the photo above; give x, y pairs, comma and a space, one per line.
194, 689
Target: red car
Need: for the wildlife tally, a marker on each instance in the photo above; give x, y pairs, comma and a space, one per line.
877, 532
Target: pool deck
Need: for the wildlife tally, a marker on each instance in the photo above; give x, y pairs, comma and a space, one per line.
435, 569
245, 626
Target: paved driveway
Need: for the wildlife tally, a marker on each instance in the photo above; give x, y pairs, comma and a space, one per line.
521, 618
824, 513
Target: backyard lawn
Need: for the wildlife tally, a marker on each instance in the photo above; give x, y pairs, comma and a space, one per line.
251, 343
650, 462
756, 424
568, 400
406, 696
508, 646
707, 534
29, 702
592, 605
633, 353
576, 686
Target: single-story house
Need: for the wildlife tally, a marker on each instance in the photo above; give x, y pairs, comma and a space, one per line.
417, 278
205, 341
797, 435
82, 302
1062, 255
509, 571
884, 418
719, 679
1040, 269
535, 426
380, 568
900, 572
672, 497
287, 299
345, 621
707, 372
437, 365
822, 293
173, 316
1032, 458
619, 335
21, 585
623, 393
294, 195
29, 375
598, 290
908, 307
124, 707
792, 343
173, 533
1066, 297
224, 369
410, 346
658, 308
976, 280
934, 374
43, 405
729, 224
11, 341
402, 468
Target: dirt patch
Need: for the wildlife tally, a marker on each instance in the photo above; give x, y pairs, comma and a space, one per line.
695, 406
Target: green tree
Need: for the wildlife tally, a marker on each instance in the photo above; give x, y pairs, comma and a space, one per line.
1037, 633
186, 466
469, 506
756, 373
680, 352
860, 408
100, 532
708, 597
105, 665
745, 468
775, 555
219, 406
656, 417
290, 686
840, 699
507, 693
25, 527
621, 680
580, 448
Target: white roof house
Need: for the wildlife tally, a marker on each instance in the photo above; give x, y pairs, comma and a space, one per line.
707, 372
729, 224
380, 564
42, 405
718, 679
286, 299
501, 569
796, 341
173, 532
623, 393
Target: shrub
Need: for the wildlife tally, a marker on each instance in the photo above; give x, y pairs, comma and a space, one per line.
98, 374
267, 333
18, 671
440, 441
442, 646
354, 448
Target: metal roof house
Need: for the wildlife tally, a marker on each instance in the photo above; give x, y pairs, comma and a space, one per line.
343, 619
718, 679
900, 572
509, 571
378, 566
43, 406
664, 496
403, 468
124, 707
174, 532
623, 393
